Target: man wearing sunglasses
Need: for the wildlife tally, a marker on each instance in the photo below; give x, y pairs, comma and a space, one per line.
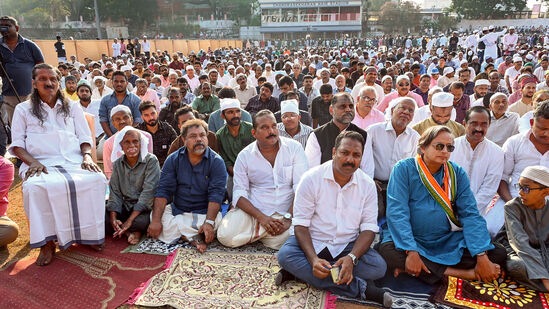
481, 159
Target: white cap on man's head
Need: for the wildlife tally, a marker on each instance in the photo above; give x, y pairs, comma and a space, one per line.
448, 70
229, 103
125, 68
120, 108
517, 59
443, 99
290, 106
482, 82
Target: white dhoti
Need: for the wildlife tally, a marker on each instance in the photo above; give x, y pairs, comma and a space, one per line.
491, 51
67, 205
495, 216
185, 224
238, 229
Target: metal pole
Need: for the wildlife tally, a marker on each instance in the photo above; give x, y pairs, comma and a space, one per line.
97, 19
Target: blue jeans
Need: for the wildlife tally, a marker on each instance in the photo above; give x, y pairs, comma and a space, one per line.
371, 266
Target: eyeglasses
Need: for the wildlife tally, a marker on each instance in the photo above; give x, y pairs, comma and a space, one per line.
440, 147
526, 189
368, 99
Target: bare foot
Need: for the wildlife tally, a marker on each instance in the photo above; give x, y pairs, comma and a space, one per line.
199, 243
134, 238
47, 252
98, 247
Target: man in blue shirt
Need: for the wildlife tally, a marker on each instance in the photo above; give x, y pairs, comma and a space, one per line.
120, 96
18, 56
190, 192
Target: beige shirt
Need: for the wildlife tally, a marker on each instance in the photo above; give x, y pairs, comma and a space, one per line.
520, 108
456, 128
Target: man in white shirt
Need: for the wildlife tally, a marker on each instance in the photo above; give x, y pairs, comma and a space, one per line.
244, 92
266, 173
370, 77
392, 141
510, 41
479, 91
544, 85
115, 48
191, 78
503, 124
335, 221
481, 159
541, 71
324, 78
512, 73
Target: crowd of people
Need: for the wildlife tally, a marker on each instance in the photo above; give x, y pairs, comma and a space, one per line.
442, 149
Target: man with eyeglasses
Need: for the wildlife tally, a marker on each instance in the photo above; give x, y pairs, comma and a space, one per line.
403, 85
366, 115
370, 78
441, 111
291, 125
392, 141
481, 159
522, 150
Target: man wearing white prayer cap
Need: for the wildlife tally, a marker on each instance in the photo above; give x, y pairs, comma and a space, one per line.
135, 175
441, 113
232, 137
480, 90
291, 126
448, 76
527, 228
262, 212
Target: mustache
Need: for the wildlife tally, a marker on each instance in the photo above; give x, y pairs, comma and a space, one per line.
349, 164
475, 132
199, 144
271, 135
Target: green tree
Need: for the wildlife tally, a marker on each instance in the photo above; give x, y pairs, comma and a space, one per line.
486, 9
399, 17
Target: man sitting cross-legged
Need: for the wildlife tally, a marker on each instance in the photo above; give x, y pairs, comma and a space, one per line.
266, 173
194, 179
133, 182
335, 223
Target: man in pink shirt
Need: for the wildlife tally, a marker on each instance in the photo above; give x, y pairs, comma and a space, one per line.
366, 114
121, 116
8, 229
145, 93
403, 90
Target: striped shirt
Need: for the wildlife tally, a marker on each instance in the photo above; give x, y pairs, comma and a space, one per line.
301, 136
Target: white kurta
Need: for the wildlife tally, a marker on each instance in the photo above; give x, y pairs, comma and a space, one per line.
490, 40
483, 166
68, 203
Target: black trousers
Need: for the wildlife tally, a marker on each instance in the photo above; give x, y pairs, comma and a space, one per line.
397, 259
140, 223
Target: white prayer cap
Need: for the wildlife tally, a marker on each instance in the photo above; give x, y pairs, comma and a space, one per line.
120, 108
512, 28
443, 99
475, 31
448, 70
125, 68
497, 95
482, 82
537, 173
401, 77
517, 59
399, 100
99, 77
232, 66
189, 67
484, 28
386, 77
529, 57
289, 106
462, 62
229, 103
117, 149
491, 27
474, 57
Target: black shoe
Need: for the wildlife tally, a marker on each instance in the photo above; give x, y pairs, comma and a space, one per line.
283, 276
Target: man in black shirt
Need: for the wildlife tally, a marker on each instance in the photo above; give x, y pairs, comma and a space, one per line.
162, 133
60, 50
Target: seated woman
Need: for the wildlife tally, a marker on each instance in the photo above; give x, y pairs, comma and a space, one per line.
9, 230
527, 227
134, 179
434, 227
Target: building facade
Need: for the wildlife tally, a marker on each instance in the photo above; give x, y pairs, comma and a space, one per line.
289, 19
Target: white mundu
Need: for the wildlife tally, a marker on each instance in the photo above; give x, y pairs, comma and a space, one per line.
270, 189
484, 168
68, 203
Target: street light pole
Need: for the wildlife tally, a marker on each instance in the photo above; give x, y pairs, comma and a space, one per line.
97, 19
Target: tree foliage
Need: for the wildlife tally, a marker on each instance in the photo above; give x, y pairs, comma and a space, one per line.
487, 9
401, 17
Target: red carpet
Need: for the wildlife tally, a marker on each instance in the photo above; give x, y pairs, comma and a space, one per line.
78, 278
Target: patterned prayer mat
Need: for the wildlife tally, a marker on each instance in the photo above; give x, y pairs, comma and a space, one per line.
78, 278
225, 279
501, 294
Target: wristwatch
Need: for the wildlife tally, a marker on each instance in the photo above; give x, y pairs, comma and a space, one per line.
481, 254
210, 222
353, 258
288, 216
